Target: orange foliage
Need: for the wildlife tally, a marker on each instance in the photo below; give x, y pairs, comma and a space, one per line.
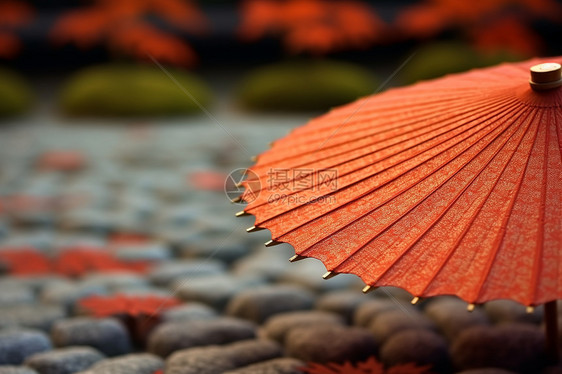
10, 45
13, 14
477, 17
121, 25
508, 33
371, 366
313, 26
142, 41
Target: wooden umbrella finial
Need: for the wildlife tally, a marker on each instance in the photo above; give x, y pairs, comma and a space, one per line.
546, 76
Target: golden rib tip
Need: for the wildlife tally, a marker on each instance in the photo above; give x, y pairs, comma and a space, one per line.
236, 200
272, 243
415, 300
530, 309
270, 144
329, 274
239, 184
242, 214
367, 289
296, 258
470, 307
254, 158
254, 229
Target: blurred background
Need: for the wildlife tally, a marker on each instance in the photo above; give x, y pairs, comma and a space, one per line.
125, 117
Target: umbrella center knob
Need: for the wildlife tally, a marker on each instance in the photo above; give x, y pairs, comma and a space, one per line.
546, 76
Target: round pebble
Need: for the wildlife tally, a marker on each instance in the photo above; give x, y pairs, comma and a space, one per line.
167, 273
172, 336
138, 363
215, 290
278, 326
388, 323
517, 347
261, 303
219, 359
64, 360
368, 310
188, 312
511, 311
422, 347
34, 316
325, 344
16, 345
9, 369
107, 335
451, 317
343, 303
285, 365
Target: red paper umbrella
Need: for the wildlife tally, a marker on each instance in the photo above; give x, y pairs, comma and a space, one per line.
451, 186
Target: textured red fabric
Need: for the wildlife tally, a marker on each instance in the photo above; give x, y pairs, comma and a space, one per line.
451, 186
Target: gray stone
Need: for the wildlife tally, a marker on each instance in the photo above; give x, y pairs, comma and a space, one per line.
16, 294
261, 303
325, 344
68, 293
188, 312
267, 263
107, 335
214, 290
167, 273
143, 252
517, 347
510, 311
172, 336
138, 363
221, 248
218, 359
421, 347
367, 311
34, 316
308, 274
278, 326
9, 369
285, 365
389, 323
64, 360
114, 280
451, 317
344, 303
18, 344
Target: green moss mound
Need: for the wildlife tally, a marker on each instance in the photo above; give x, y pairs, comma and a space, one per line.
305, 86
132, 90
438, 59
15, 94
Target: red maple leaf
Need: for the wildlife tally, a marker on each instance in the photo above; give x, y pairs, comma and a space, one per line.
371, 366
25, 261
77, 262
104, 306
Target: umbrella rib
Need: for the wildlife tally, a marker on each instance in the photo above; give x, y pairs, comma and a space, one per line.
391, 180
442, 213
449, 255
452, 175
467, 109
374, 152
312, 129
540, 243
501, 234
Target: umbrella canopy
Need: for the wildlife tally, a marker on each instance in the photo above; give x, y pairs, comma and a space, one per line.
451, 186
